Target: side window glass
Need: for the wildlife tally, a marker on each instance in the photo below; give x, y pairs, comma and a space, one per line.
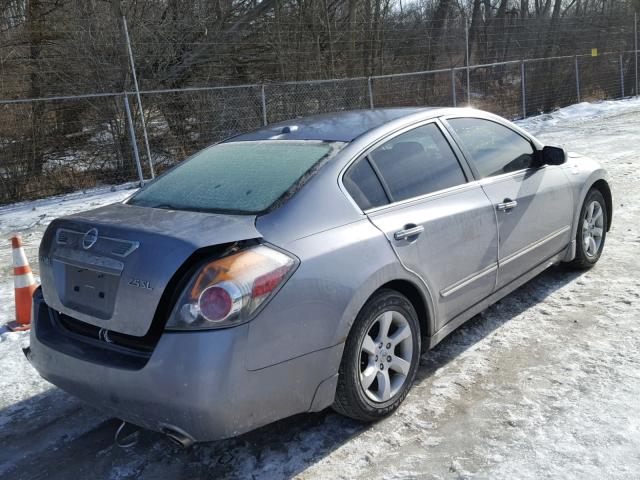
363, 185
494, 149
418, 162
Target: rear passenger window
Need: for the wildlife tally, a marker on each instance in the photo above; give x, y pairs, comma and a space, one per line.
363, 185
418, 162
494, 148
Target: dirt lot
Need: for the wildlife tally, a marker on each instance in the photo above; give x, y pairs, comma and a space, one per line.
543, 384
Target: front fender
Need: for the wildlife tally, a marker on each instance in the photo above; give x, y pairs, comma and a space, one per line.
582, 173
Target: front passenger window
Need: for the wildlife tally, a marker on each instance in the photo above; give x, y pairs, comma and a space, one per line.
494, 148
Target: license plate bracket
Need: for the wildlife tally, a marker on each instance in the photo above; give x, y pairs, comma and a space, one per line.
89, 291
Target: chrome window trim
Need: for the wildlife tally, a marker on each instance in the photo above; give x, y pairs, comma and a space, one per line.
364, 152
500, 121
427, 196
514, 175
535, 144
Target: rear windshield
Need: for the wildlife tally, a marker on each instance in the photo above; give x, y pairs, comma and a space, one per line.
237, 177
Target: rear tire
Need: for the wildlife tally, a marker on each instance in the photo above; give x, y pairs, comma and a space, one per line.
380, 358
592, 231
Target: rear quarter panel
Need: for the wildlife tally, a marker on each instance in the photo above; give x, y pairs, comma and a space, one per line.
339, 269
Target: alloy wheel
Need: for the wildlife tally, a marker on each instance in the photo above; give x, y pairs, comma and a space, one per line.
386, 353
592, 229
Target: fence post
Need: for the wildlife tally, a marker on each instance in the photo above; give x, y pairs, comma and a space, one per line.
524, 90
135, 84
621, 76
453, 87
263, 99
635, 31
132, 136
466, 42
577, 78
370, 87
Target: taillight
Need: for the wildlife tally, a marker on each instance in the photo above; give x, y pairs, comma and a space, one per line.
230, 290
219, 301
265, 284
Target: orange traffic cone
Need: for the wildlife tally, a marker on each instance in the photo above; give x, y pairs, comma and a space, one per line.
24, 285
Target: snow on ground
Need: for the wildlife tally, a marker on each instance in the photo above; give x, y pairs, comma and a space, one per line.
543, 384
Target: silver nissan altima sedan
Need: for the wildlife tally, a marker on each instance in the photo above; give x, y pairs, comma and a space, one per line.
304, 265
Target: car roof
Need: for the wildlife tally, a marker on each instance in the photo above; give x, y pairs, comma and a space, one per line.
333, 127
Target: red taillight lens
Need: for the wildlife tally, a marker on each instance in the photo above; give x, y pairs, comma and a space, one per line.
215, 303
265, 284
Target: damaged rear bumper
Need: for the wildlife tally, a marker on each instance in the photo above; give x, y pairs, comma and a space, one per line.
193, 382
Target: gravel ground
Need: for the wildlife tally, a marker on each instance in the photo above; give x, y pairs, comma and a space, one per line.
543, 384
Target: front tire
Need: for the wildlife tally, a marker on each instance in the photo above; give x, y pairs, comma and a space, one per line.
380, 358
592, 230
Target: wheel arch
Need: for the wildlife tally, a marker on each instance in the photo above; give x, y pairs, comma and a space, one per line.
417, 296
603, 187
417, 299
596, 178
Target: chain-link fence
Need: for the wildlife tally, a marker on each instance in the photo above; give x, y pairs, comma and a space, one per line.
58, 144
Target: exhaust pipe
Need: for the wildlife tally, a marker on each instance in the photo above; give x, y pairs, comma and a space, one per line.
178, 436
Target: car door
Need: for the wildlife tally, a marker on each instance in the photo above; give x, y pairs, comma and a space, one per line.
441, 226
533, 203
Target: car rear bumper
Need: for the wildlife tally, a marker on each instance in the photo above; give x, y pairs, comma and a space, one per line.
195, 382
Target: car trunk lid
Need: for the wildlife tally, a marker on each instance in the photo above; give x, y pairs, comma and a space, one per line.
109, 267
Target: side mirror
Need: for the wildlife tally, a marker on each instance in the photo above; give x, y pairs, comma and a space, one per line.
553, 156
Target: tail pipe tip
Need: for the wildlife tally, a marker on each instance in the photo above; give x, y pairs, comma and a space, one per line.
178, 436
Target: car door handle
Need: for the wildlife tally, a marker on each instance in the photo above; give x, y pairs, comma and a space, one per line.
507, 205
408, 232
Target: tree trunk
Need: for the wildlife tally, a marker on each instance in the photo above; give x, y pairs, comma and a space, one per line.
439, 24
366, 50
36, 34
375, 35
476, 19
351, 49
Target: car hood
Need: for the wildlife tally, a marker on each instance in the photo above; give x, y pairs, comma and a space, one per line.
109, 267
